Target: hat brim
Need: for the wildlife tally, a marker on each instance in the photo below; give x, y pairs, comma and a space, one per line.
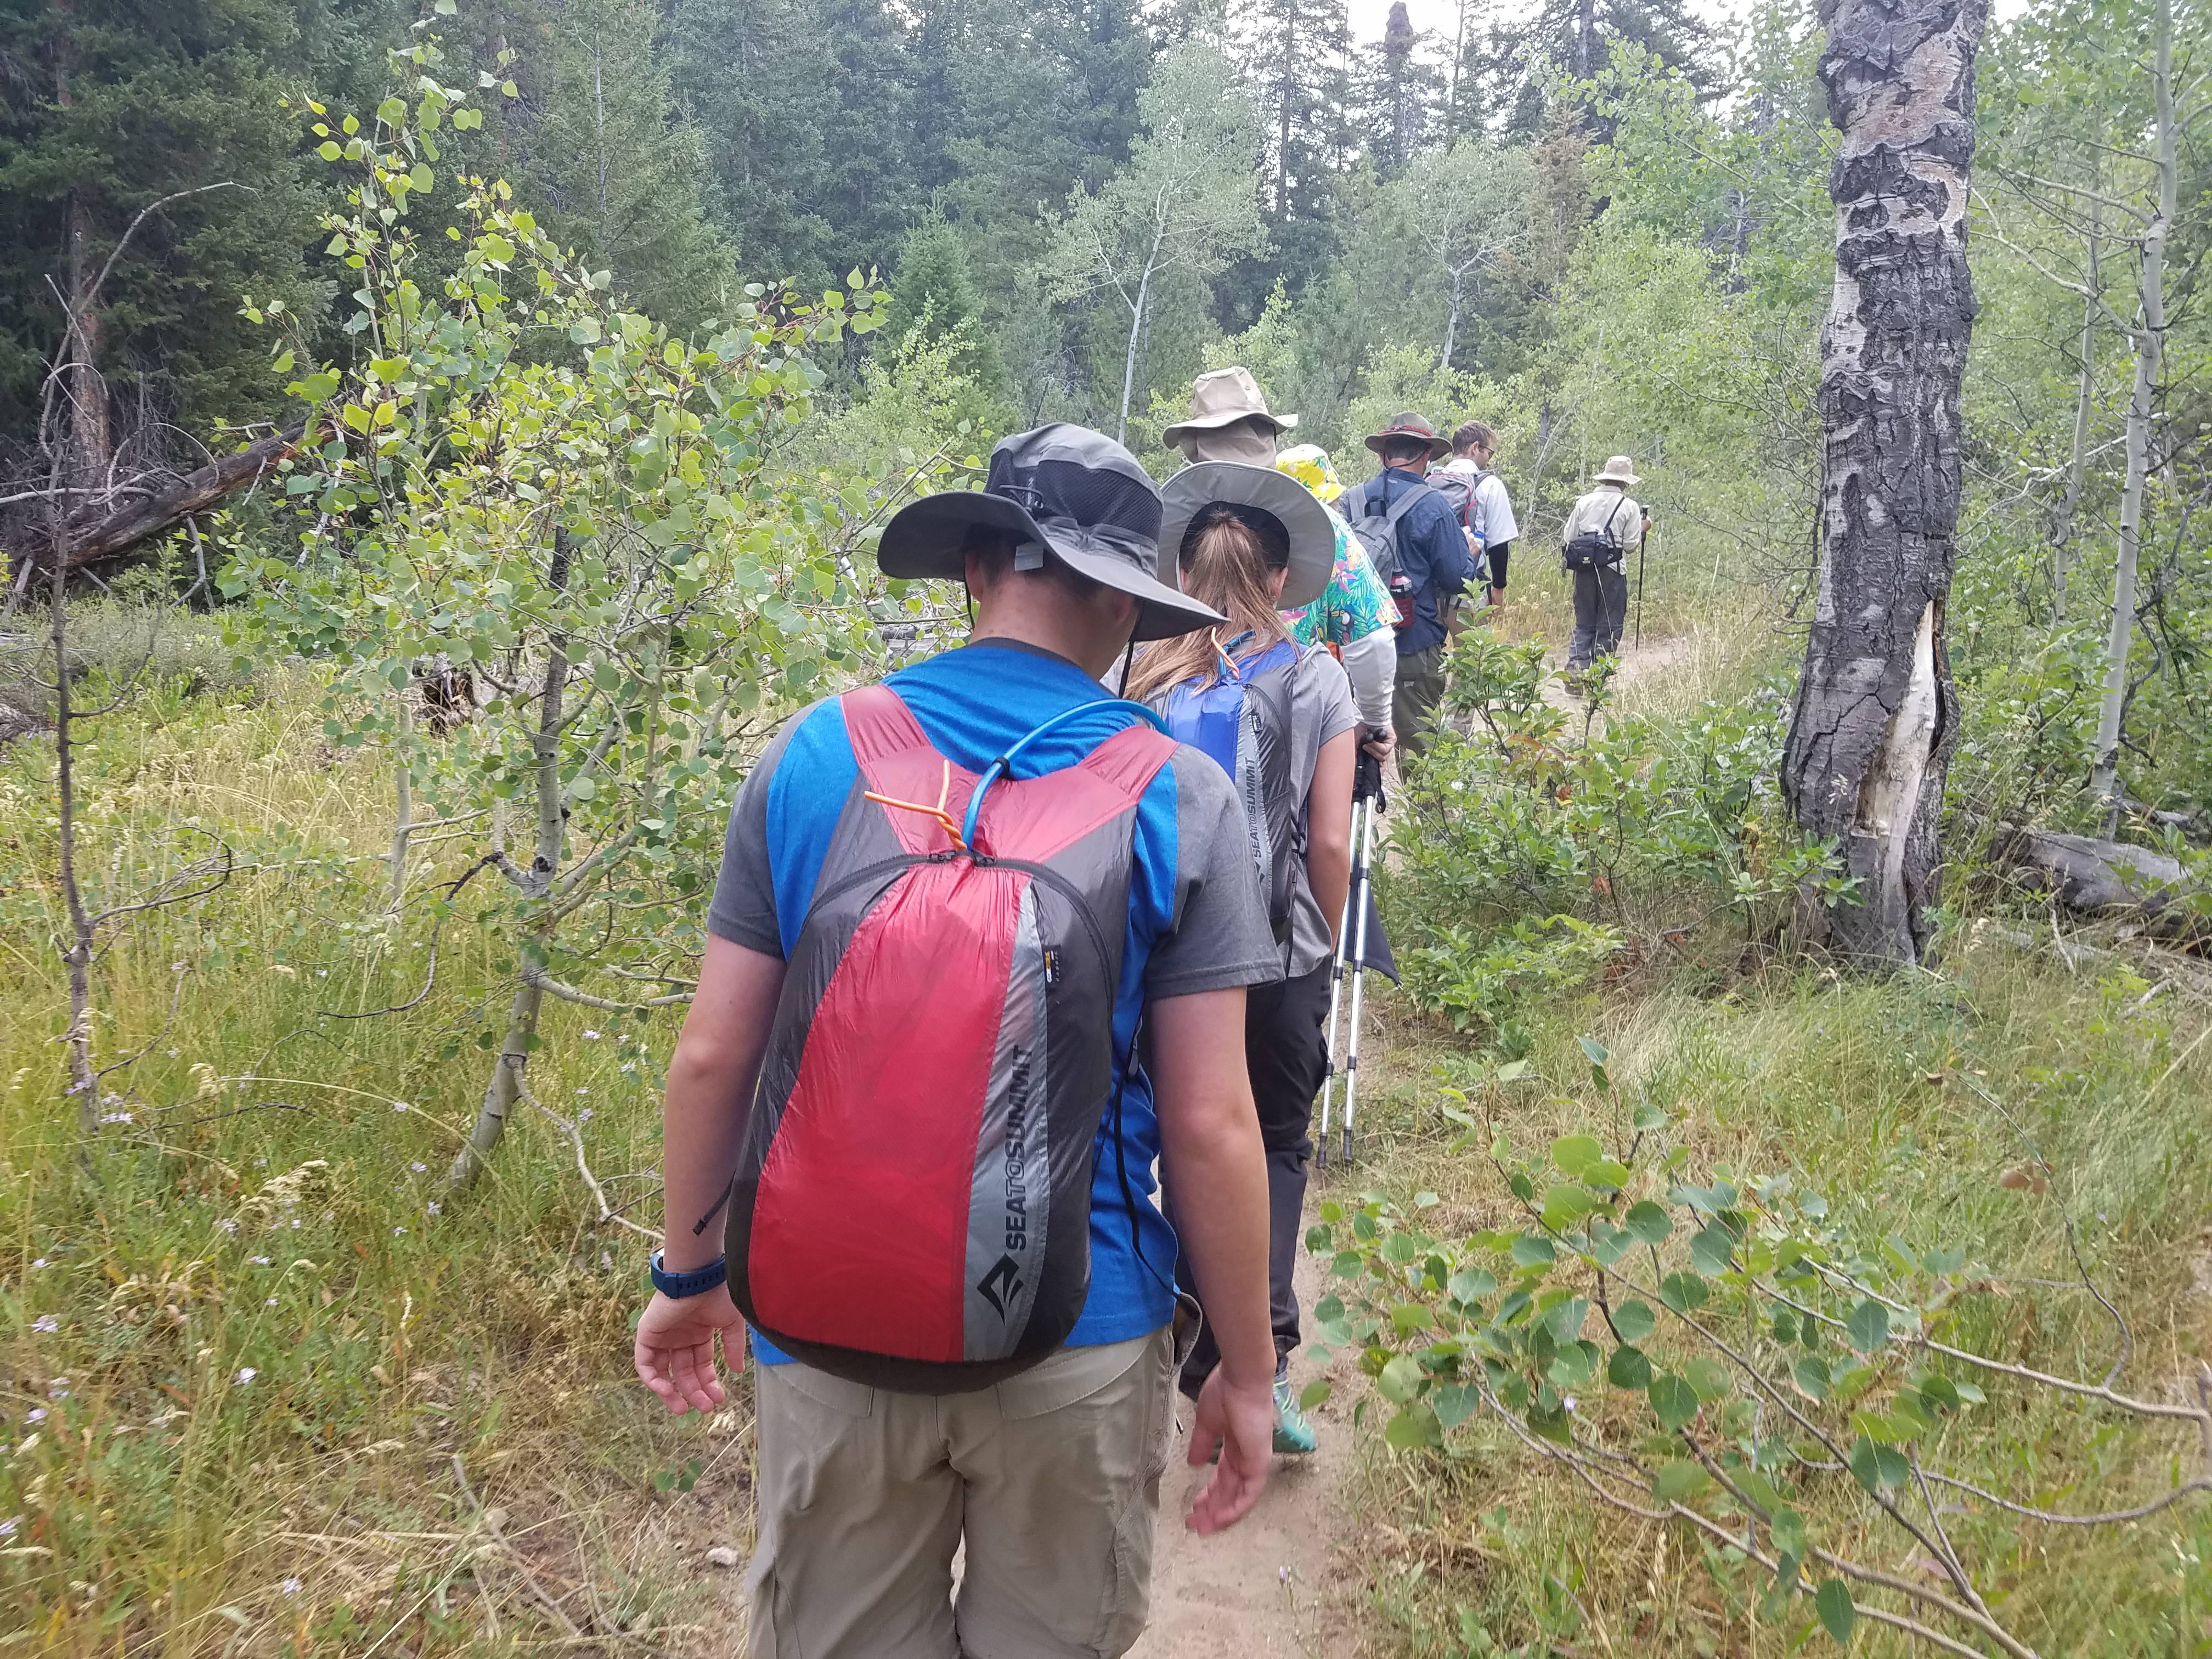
927, 541
1277, 423
1438, 446
1617, 477
1312, 533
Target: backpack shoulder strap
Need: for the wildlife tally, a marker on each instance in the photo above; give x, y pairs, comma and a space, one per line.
879, 725
1406, 503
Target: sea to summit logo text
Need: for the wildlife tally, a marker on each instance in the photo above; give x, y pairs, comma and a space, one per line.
1016, 1154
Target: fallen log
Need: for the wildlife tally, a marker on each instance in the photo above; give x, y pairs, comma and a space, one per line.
163, 510
2106, 879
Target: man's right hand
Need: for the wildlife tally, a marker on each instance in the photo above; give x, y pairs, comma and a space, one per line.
1241, 1421
1378, 741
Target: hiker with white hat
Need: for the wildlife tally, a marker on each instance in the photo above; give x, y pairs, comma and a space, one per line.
1229, 421
1421, 552
1594, 542
1278, 716
906, 1136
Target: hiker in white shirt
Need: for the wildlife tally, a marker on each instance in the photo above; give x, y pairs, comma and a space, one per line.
1594, 541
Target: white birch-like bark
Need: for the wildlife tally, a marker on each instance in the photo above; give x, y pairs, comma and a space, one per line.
2150, 346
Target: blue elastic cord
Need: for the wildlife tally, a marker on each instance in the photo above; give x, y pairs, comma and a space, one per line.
1003, 766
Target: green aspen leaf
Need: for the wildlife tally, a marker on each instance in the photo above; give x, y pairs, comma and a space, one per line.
1574, 1153
1400, 1248
1608, 1175
1415, 1426
1329, 1309
1787, 1527
329, 152
1709, 1378
1867, 1327
1531, 1251
1679, 1481
1595, 1050
1683, 1292
1564, 1206
1314, 1393
1472, 1285
1456, 1402
1647, 1222
1878, 1467
1566, 1318
1400, 1380
419, 176
1712, 1250
583, 789
1838, 1616
1811, 1376
1629, 1368
1673, 1401
1634, 1320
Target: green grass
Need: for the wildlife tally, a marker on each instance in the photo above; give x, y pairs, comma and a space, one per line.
247, 1339
1904, 1100
169, 1502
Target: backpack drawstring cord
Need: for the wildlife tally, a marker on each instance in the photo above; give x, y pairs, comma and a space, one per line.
951, 824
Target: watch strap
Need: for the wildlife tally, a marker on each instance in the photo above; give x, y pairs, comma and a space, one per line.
695, 1282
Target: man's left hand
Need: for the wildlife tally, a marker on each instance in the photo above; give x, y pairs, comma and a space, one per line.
675, 1351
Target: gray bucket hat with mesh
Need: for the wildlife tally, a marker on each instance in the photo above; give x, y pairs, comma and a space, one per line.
1061, 491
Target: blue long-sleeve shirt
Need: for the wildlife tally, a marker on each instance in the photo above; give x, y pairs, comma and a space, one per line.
1430, 547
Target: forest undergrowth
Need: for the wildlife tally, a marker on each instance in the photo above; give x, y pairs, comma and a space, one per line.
274, 1388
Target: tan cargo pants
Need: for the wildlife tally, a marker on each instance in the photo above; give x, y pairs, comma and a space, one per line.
1052, 1479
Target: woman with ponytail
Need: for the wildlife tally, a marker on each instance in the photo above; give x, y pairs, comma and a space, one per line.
1279, 717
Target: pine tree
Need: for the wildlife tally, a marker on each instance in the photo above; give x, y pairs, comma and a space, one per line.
105, 107
934, 289
618, 173
1399, 90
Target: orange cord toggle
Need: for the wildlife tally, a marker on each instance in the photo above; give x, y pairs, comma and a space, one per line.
944, 793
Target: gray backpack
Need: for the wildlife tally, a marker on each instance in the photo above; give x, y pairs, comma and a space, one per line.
1376, 530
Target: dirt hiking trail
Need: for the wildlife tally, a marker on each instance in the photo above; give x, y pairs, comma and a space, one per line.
1264, 1589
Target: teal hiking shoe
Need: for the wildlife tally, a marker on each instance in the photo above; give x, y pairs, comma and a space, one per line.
1294, 1435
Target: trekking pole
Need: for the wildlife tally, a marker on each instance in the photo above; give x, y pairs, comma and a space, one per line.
1640, 540
1367, 786
1336, 991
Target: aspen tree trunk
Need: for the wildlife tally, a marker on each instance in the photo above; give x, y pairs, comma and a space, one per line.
1876, 713
505, 1087
2149, 345
2062, 532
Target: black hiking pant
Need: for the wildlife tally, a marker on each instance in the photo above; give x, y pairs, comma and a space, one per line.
1286, 1051
1600, 612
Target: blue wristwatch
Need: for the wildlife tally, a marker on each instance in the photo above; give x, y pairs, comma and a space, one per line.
697, 1282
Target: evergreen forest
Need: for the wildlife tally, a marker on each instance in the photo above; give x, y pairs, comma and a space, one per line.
441, 441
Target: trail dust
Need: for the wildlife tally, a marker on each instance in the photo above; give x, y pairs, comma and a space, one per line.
1263, 1589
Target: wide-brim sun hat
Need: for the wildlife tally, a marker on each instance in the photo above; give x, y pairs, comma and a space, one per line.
1061, 491
1222, 396
1310, 466
1619, 470
1410, 425
1305, 521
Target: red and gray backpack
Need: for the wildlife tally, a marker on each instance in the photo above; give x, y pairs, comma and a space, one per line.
912, 1206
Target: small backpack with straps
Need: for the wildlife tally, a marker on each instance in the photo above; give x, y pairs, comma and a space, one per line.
912, 1204
1241, 718
1596, 548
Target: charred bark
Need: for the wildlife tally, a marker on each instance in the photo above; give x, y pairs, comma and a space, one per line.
1876, 713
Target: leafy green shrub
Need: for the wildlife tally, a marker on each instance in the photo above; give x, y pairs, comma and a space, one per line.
1723, 1349
1624, 833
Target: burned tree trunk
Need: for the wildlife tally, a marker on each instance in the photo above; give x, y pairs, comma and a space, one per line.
1876, 714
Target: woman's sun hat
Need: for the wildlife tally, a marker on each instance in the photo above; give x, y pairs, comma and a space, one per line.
1310, 466
1305, 522
1619, 470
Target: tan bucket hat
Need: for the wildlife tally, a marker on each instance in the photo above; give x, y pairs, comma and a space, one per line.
1222, 396
1619, 470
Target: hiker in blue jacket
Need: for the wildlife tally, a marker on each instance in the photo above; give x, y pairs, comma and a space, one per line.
1434, 563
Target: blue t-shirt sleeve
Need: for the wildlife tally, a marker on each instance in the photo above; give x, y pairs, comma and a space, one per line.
772, 855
